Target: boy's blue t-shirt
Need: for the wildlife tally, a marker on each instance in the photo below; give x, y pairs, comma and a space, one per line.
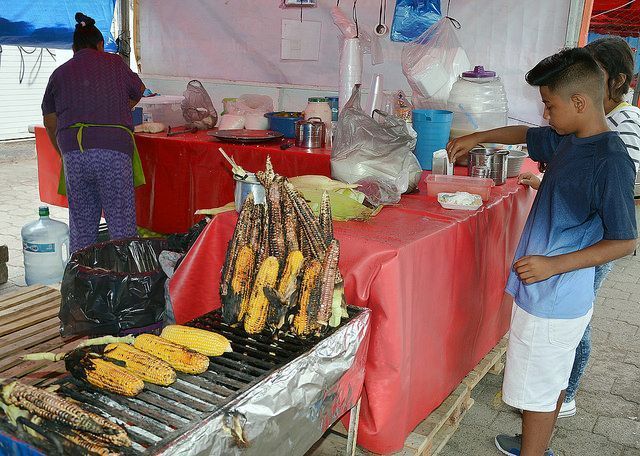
586, 196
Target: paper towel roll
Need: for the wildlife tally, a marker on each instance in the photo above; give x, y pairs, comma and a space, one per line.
350, 68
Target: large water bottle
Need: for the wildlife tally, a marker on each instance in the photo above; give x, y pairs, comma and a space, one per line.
45, 246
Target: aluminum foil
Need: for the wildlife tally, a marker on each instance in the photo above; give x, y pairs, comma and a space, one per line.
288, 411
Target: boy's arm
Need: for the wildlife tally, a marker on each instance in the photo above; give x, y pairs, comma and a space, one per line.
536, 268
459, 147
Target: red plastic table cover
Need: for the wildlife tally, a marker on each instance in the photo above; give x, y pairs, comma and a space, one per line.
434, 280
185, 173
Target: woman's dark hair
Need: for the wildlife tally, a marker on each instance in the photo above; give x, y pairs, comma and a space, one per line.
86, 34
615, 57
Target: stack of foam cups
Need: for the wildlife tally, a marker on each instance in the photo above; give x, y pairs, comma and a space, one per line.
350, 68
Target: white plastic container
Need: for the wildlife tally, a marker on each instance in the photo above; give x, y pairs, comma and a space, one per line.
45, 247
166, 109
478, 102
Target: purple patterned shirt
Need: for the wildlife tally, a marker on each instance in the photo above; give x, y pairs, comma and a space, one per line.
93, 87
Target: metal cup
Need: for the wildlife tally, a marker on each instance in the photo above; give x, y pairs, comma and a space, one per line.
480, 171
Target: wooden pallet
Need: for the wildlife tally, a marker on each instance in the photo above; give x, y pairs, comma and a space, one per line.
432, 434
29, 324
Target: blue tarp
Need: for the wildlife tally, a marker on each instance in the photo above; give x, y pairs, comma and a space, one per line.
50, 23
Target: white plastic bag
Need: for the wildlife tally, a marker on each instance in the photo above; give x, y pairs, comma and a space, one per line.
432, 63
375, 154
250, 104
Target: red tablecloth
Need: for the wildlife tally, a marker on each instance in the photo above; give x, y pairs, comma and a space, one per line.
434, 280
185, 173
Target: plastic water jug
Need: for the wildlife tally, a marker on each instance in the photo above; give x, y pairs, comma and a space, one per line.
45, 246
433, 127
478, 101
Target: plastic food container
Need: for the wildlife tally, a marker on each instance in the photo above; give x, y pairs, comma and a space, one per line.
166, 109
437, 183
284, 122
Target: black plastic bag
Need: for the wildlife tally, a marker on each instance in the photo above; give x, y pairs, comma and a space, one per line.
115, 288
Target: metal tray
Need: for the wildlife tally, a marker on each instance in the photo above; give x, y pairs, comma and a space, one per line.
246, 135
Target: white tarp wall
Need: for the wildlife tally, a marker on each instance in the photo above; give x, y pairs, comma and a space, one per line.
233, 41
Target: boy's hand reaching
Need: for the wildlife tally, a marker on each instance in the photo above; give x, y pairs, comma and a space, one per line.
529, 179
459, 147
534, 268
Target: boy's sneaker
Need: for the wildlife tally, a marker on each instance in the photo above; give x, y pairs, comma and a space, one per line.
510, 445
567, 409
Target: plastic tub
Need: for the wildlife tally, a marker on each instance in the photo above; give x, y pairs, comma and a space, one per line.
438, 183
432, 127
284, 122
166, 109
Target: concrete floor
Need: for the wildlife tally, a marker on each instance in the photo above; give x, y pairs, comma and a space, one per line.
608, 401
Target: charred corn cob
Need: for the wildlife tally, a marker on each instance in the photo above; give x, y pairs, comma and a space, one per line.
263, 251
103, 374
240, 238
325, 219
276, 228
118, 437
290, 274
50, 406
303, 321
328, 281
255, 233
258, 304
146, 366
308, 223
180, 358
290, 224
242, 277
206, 342
90, 444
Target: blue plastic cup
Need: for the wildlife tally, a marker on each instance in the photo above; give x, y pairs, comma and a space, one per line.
433, 127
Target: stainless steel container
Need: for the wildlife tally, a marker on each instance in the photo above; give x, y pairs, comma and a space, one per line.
245, 186
310, 133
494, 159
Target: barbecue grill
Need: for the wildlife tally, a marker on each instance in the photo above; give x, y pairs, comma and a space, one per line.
266, 397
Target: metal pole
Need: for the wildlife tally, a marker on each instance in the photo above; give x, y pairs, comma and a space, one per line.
352, 437
125, 32
574, 23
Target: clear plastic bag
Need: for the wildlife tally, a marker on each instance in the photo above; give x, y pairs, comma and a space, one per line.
412, 17
432, 63
376, 153
251, 104
197, 107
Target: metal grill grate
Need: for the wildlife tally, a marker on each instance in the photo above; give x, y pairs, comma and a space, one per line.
158, 415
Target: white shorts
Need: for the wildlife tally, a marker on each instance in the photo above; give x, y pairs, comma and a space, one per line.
540, 357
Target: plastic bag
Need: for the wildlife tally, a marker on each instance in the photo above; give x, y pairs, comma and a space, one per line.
378, 155
432, 63
197, 107
250, 104
115, 287
412, 17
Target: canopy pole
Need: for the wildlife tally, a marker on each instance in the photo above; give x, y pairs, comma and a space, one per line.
574, 23
125, 32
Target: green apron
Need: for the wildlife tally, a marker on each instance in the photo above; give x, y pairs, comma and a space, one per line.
138, 173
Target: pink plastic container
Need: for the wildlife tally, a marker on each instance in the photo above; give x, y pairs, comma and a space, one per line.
438, 183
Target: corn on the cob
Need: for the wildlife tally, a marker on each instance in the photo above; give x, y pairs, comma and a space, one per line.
49, 406
90, 444
118, 437
263, 251
180, 358
276, 228
242, 277
146, 366
206, 342
328, 281
290, 224
308, 223
303, 321
258, 304
240, 238
103, 374
255, 233
325, 219
289, 278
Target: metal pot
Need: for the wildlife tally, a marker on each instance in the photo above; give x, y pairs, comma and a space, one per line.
245, 186
310, 133
494, 159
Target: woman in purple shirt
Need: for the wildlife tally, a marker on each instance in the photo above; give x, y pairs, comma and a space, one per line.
87, 113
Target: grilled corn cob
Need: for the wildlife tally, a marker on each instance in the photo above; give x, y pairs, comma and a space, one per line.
206, 342
263, 251
290, 223
325, 220
90, 444
258, 304
303, 321
119, 436
308, 222
240, 238
103, 374
180, 358
289, 278
276, 228
255, 232
50, 406
328, 281
242, 277
146, 366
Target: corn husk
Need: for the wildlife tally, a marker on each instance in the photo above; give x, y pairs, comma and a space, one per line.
343, 208
317, 182
217, 210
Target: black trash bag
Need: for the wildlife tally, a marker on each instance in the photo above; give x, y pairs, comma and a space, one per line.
114, 288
